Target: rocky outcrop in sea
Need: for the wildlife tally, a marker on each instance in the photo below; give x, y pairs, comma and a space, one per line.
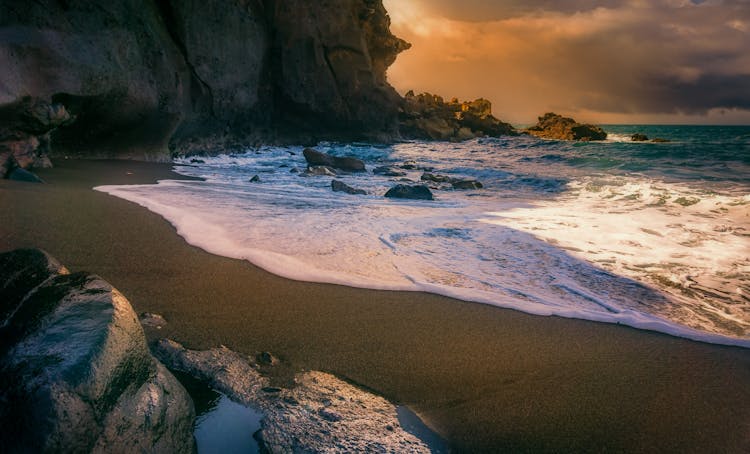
554, 126
427, 116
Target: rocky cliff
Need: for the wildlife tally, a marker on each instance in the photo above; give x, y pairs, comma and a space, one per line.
136, 77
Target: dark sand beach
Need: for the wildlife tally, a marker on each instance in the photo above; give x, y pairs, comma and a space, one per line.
487, 379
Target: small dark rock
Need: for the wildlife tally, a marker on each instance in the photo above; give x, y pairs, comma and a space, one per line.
340, 186
19, 174
638, 137
402, 191
409, 165
255, 179
389, 428
660, 140
467, 184
294, 170
197, 161
317, 158
267, 359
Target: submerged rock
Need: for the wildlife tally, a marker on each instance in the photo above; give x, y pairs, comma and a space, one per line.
402, 191
76, 374
554, 126
319, 413
638, 137
660, 140
317, 158
318, 171
436, 178
340, 186
466, 184
388, 171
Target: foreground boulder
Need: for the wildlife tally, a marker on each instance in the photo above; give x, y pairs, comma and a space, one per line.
554, 126
75, 371
317, 158
319, 413
403, 191
427, 116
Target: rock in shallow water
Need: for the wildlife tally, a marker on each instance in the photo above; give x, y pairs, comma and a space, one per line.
402, 191
340, 186
316, 158
75, 371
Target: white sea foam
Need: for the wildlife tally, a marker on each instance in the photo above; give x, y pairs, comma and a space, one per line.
628, 250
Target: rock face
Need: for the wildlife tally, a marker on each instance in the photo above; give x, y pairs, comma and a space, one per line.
349, 164
554, 126
137, 76
427, 116
76, 373
320, 413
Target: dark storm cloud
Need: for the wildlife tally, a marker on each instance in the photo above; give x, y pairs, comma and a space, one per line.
617, 57
484, 10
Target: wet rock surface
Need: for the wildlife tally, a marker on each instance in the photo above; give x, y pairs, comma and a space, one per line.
340, 186
403, 191
554, 126
317, 158
319, 413
76, 372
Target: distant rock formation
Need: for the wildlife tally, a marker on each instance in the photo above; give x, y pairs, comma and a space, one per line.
428, 116
76, 374
137, 76
554, 126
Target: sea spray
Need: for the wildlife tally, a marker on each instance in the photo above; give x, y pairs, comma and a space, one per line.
655, 236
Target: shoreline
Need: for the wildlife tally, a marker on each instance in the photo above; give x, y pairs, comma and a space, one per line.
483, 377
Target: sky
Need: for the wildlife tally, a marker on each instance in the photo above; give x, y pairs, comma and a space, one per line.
611, 61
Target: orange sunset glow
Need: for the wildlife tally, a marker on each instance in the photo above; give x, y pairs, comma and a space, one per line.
630, 61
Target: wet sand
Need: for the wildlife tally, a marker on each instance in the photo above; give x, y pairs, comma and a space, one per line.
487, 379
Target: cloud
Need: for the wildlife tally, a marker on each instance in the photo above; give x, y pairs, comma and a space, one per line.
487, 10
631, 57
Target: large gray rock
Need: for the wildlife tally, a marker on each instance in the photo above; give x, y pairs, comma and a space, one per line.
76, 373
319, 413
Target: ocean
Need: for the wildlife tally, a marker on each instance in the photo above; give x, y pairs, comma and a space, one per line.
650, 235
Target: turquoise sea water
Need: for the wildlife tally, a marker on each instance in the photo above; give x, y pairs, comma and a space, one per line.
652, 235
